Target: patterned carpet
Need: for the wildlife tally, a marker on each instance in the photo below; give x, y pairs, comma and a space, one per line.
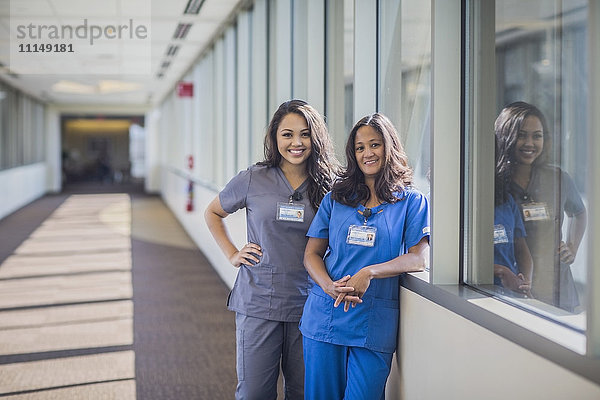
105, 297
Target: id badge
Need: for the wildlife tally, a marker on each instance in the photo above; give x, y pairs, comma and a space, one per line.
535, 212
290, 212
500, 235
361, 235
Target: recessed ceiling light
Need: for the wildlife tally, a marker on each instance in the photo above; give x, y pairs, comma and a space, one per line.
103, 87
73, 87
110, 86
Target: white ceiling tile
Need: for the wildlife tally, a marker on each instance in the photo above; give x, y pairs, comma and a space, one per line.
85, 9
217, 9
124, 63
30, 8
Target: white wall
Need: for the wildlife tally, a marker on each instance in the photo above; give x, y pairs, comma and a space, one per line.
445, 356
20, 186
174, 189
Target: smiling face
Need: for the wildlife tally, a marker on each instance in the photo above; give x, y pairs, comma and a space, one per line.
293, 140
530, 141
369, 151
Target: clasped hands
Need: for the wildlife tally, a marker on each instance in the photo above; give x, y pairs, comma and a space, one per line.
350, 289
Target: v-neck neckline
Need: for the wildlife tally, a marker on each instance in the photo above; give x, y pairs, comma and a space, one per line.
527, 190
288, 184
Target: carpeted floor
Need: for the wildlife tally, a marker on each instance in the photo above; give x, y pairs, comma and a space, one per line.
136, 313
184, 336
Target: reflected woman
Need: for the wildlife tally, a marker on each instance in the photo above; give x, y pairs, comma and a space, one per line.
545, 195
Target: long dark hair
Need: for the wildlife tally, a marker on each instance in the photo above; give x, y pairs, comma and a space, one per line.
322, 166
507, 127
395, 173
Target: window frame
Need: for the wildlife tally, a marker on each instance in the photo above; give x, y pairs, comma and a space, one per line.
452, 89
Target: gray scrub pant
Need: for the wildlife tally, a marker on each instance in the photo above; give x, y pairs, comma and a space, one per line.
263, 347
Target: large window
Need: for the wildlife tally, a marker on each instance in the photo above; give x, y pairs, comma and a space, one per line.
405, 77
21, 129
533, 56
339, 74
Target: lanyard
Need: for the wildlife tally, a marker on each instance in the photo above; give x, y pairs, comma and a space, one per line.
367, 213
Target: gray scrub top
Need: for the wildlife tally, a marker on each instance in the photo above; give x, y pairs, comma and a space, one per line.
276, 287
555, 188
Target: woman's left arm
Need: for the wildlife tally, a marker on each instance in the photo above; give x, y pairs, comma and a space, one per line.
575, 231
414, 261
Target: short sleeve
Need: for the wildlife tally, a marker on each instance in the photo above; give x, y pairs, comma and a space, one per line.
573, 203
319, 228
233, 196
417, 218
516, 212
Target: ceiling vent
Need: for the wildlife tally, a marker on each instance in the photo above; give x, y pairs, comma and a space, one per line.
181, 31
172, 50
193, 6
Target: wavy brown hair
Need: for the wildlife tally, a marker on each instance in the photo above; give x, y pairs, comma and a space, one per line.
507, 127
322, 166
395, 174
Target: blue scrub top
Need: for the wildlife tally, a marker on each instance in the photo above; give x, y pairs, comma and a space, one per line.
507, 219
373, 324
276, 288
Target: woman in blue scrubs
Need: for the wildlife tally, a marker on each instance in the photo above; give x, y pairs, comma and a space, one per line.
513, 266
369, 229
281, 195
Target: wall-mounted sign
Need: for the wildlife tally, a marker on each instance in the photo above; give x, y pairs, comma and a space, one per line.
185, 89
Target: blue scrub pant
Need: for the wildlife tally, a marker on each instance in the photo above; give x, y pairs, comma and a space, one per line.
263, 347
334, 372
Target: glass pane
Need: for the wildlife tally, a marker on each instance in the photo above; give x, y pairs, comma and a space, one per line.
405, 77
541, 141
3, 127
349, 64
339, 70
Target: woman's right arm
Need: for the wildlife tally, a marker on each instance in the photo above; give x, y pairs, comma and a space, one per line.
214, 215
313, 262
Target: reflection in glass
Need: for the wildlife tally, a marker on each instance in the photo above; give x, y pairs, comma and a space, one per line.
513, 266
542, 134
546, 194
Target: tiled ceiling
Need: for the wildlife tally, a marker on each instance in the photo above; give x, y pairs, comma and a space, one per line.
87, 87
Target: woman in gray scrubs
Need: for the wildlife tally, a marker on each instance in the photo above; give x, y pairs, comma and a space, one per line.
281, 195
545, 194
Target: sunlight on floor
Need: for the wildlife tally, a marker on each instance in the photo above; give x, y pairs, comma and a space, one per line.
66, 309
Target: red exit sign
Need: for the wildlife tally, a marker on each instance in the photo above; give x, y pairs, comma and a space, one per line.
185, 89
